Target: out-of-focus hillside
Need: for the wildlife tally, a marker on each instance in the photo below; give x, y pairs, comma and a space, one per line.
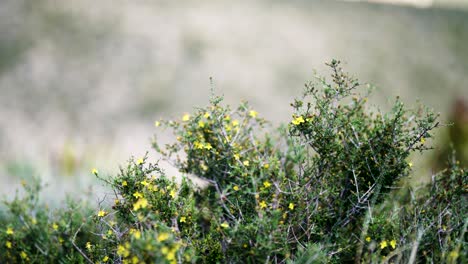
82, 82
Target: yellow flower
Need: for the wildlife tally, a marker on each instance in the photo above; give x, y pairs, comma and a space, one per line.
393, 243
186, 118
124, 183
10, 231
101, 213
137, 195
163, 237
263, 204
88, 245
122, 251
454, 254
140, 161
423, 140
235, 123
227, 118
94, 171
23, 255
253, 113
135, 260
206, 115
137, 234
266, 166
410, 164
235, 188
172, 193
157, 123
368, 239
298, 120
236, 156
246, 163
266, 184
8, 244
183, 219
34, 221
105, 259
291, 206
201, 124
208, 146
55, 226
225, 225
141, 203
383, 244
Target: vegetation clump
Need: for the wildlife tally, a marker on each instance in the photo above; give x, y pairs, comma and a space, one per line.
325, 188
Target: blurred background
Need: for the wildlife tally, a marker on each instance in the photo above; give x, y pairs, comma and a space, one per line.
82, 82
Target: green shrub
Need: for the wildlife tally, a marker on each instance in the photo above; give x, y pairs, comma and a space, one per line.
323, 188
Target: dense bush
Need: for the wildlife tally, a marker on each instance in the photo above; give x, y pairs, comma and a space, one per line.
324, 188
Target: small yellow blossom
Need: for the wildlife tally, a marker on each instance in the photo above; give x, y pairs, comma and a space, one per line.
94, 171
253, 113
123, 251
423, 140
105, 259
291, 206
124, 183
246, 163
201, 124
172, 193
368, 239
8, 244
393, 243
183, 219
263, 204
163, 237
235, 123
410, 164
186, 118
141, 203
137, 195
266, 166
34, 221
235, 188
454, 254
208, 146
206, 115
136, 234
298, 120
10, 231
88, 245
236, 156
61, 240
227, 118
383, 244
101, 213
144, 183
23, 255
157, 123
55, 226
140, 161
225, 225
267, 184
204, 167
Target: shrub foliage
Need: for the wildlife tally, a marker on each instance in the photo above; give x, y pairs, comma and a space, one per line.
324, 188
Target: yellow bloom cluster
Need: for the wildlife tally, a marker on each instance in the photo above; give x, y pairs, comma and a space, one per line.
141, 203
384, 244
298, 120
